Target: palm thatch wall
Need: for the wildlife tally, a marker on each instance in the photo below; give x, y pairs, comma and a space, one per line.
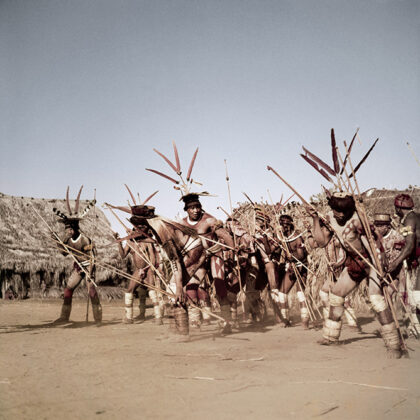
29, 259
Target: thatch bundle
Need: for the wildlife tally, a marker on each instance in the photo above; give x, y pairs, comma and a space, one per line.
29, 259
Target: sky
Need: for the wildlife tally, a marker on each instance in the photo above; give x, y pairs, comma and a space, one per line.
89, 88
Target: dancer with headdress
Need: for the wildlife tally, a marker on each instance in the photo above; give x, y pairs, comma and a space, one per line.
202, 254
82, 250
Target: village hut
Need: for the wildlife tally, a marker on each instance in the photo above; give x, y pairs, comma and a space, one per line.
31, 265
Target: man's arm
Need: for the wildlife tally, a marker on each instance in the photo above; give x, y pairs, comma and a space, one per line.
320, 233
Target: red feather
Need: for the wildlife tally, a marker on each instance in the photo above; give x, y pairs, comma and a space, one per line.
76, 207
167, 160
334, 153
348, 151
68, 200
192, 164
126, 209
178, 164
132, 196
165, 176
314, 165
148, 198
364, 158
319, 161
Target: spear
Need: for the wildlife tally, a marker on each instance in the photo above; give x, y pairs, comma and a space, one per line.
238, 268
365, 222
64, 246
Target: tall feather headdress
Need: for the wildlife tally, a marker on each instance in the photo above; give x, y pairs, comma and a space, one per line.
75, 215
332, 174
181, 184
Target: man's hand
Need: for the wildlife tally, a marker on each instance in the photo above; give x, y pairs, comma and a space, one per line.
180, 296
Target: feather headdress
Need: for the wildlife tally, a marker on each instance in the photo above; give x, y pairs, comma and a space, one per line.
139, 212
74, 216
181, 184
332, 174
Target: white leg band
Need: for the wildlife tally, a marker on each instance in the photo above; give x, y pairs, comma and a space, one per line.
416, 298
378, 303
390, 335
301, 296
304, 313
336, 300
128, 300
331, 330
282, 297
350, 317
324, 298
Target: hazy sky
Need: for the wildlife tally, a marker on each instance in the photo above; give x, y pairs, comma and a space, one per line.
88, 88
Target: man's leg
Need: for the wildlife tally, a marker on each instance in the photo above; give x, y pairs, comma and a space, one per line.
388, 328
332, 324
73, 281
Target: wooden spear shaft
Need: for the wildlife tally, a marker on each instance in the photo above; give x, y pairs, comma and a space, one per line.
365, 222
66, 247
161, 277
238, 267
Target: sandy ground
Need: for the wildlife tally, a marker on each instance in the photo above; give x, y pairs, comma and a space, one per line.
117, 371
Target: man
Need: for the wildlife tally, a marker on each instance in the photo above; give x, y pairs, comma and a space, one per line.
209, 227
267, 258
410, 230
345, 223
292, 269
336, 257
81, 247
393, 242
144, 256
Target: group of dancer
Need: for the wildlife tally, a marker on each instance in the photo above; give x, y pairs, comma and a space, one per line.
179, 263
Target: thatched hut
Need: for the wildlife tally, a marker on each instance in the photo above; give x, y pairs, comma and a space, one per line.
29, 260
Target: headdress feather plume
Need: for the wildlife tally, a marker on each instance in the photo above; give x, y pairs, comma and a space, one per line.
68, 200
131, 194
334, 152
319, 161
166, 160
314, 165
161, 174
364, 158
76, 207
349, 151
178, 164
192, 164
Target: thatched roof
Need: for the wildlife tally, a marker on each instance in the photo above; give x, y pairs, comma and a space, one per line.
25, 241
382, 201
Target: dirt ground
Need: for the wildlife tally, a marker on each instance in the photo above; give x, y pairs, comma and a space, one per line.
118, 371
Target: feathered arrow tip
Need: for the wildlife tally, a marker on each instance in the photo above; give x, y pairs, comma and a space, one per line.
364, 158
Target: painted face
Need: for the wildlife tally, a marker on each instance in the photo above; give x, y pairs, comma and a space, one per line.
399, 212
382, 229
340, 217
70, 232
195, 212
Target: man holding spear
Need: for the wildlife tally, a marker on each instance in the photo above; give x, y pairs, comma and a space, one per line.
82, 251
410, 253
